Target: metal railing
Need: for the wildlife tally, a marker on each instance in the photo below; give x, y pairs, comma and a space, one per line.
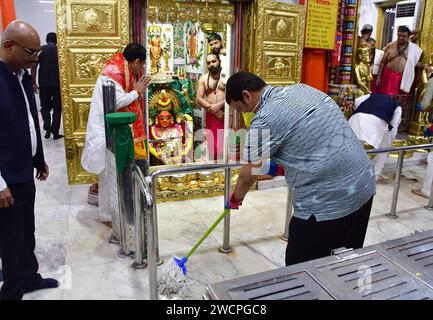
145, 189
392, 214
399, 168
145, 193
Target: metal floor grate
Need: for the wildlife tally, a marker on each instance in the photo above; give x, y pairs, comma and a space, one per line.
372, 276
415, 253
271, 285
400, 269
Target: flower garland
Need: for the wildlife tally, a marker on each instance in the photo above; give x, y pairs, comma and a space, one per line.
159, 153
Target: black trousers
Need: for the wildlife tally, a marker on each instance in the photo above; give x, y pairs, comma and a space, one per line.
310, 239
17, 239
51, 100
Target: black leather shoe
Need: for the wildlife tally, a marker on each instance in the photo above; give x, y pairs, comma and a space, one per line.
58, 136
47, 134
46, 283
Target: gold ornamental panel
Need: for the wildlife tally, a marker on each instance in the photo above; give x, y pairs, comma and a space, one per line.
87, 64
93, 18
280, 66
89, 32
81, 108
279, 42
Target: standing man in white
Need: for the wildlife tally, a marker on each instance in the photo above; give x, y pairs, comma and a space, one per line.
122, 69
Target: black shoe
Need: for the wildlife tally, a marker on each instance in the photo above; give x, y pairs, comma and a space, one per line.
46, 283
47, 134
58, 136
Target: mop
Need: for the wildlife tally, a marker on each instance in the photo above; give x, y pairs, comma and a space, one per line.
173, 279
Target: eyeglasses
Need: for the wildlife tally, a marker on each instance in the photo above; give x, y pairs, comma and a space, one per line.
31, 52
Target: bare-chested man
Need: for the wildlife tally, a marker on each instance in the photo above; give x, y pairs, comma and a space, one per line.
397, 69
210, 96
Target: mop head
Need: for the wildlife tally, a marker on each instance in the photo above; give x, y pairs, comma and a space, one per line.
173, 279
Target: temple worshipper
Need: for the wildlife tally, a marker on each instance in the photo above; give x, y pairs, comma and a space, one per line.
123, 69
303, 129
426, 105
216, 44
210, 96
397, 68
375, 120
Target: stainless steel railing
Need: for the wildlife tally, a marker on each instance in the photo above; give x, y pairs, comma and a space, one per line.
145, 189
392, 214
145, 192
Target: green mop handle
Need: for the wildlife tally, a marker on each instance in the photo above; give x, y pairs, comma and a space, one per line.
203, 237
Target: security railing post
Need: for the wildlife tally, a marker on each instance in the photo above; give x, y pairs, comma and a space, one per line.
138, 216
289, 212
393, 214
155, 222
152, 254
429, 206
226, 236
109, 104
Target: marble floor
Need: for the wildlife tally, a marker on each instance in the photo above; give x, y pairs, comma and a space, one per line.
72, 244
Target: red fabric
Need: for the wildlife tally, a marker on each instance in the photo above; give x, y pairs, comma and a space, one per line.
373, 86
118, 70
280, 170
213, 124
390, 82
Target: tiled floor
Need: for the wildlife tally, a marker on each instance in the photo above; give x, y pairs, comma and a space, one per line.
72, 244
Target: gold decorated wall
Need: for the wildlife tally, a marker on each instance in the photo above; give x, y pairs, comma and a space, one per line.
89, 32
426, 42
279, 41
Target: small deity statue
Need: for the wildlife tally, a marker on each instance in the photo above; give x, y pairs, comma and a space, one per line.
155, 53
362, 71
192, 45
168, 144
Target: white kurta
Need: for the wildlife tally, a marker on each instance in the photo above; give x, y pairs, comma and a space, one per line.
93, 158
374, 131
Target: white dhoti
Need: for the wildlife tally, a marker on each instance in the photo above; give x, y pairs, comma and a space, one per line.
374, 131
104, 206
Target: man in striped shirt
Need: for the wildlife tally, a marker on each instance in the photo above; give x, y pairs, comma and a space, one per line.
303, 129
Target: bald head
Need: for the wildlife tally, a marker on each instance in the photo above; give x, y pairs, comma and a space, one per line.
21, 31
19, 44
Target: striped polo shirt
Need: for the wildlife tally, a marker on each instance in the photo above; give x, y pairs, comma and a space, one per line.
304, 130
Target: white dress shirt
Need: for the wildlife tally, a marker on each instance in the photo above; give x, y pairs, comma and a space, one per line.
371, 128
93, 156
33, 139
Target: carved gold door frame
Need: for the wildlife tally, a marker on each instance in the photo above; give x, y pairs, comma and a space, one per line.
278, 30
89, 32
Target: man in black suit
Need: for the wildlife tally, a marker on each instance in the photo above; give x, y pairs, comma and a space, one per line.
20, 153
49, 86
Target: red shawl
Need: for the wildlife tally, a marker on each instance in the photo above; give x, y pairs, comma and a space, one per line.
118, 70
